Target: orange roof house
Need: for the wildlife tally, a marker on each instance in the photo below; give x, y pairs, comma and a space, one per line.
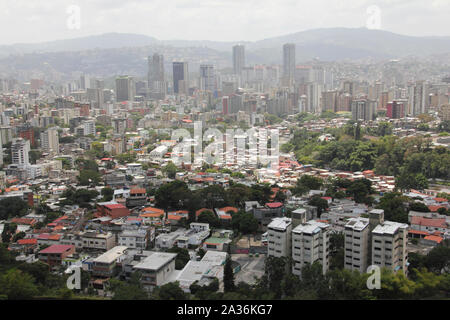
24, 221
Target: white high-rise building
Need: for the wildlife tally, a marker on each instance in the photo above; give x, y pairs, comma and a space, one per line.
238, 58
88, 127
279, 233
357, 235
310, 244
20, 149
389, 246
50, 140
207, 78
288, 64
156, 77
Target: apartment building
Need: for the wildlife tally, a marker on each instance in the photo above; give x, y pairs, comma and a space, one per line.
156, 269
168, 240
105, 265
279, 234
310, 244
357, 239
389, 246
265, 214
138, 197
55, 254
90, 240
135, 239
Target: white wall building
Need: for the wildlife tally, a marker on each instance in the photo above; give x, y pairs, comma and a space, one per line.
279, 237
389, 246
357, 232
310, 243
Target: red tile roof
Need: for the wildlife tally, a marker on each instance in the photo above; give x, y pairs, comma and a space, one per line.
429, 222
418, 232
152, 210
115, 206
135, 191
435, 208
26, 221
27, 241
57, 248
226, 209
434, 238
174, 217
274, 205
47, 236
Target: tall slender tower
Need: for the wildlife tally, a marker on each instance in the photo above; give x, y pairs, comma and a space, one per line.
156, 72
125, 88
207, 77
180, 78
238, 58
288, 64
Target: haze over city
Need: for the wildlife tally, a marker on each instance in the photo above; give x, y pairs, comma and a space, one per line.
214, 151
24, 21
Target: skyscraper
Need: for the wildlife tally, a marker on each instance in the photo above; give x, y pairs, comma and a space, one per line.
288, 63
50, 140
207, 77
20, 149
180, 78
156, 78
364, 109
124, 89
238, 58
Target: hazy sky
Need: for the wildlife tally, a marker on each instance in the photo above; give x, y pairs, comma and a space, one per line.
225, 20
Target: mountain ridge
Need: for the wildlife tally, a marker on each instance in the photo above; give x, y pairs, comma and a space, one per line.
357, 38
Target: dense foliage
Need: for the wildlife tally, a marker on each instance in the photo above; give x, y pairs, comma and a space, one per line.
412, 160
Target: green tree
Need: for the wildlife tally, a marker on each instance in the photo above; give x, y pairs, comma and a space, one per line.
107, 194
88, 177
170, 170
209, 217
419, 207
12, 207
438, 259
170, 291
228, 275
320, 203
394, 206
17, 285
244, 222
9, 231
128, 291
173, 195
182, 258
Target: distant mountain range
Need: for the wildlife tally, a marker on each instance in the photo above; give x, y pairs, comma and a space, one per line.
332, 44
361, 41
